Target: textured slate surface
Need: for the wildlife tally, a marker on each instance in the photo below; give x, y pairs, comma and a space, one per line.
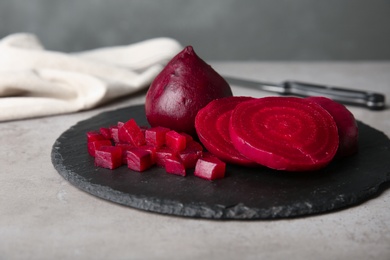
245, 193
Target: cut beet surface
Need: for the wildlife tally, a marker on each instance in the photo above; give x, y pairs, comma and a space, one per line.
94, 136
212, 126
346, 125
131, 133
175, 165
191, 154
209, 167
177, 142
96, 145
284, 133
139, 159
108, 157
156, 135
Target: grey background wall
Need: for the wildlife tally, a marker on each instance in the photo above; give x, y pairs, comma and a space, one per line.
218, 29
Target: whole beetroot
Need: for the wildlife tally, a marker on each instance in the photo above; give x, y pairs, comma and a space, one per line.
183, 87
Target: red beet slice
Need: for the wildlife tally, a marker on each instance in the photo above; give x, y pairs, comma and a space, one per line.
210, 167
284, 133
108, 157
346, 124
212, 126
138, 159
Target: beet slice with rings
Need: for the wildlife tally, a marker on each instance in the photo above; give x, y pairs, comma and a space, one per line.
284, 133
346, 125
212, 127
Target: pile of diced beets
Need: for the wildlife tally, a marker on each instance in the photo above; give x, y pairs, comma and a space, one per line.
141, 148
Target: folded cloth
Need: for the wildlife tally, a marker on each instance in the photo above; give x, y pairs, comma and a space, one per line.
36, 82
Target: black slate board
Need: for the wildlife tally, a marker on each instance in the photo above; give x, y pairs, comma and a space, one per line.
245, 193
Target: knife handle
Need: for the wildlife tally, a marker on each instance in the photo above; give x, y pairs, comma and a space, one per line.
372, 100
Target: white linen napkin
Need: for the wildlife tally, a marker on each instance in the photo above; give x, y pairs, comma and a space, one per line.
35, 82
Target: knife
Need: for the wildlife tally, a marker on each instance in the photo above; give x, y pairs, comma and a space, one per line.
371, 100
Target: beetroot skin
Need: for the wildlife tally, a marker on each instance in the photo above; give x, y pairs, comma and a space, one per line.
183, 87
284, 133
346, 124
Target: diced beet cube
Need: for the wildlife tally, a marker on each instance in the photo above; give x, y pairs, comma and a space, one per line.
156, 135
162, 153
143, 128
189, 158
108, 157
94, 136
188, 137
105, 131
195, 146
191, 154
174, 165
175, 141
210, 168
131, 133
125, 148
139, 159
152, 150
114, 134
93, 146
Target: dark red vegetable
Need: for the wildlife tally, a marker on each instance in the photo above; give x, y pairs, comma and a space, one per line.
177, 142
143, 147
95, 145
284, 133
156, 135
212, 127
210, 167
94, 136
108, 157
162, 153
175, 165
131, 133
184, 86
346, 124
191, 154
138, 159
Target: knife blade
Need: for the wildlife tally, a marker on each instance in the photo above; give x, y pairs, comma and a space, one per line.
368, 99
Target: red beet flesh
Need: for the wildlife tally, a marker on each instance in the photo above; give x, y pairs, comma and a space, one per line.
183, 87
346, 125
108, 157
175, 165
210, 168
95, 145
138, 159
141, 148
175, 141
212, 127
156, 136
284, 133
131, 133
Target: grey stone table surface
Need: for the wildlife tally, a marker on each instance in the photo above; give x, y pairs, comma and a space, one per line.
45, 217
